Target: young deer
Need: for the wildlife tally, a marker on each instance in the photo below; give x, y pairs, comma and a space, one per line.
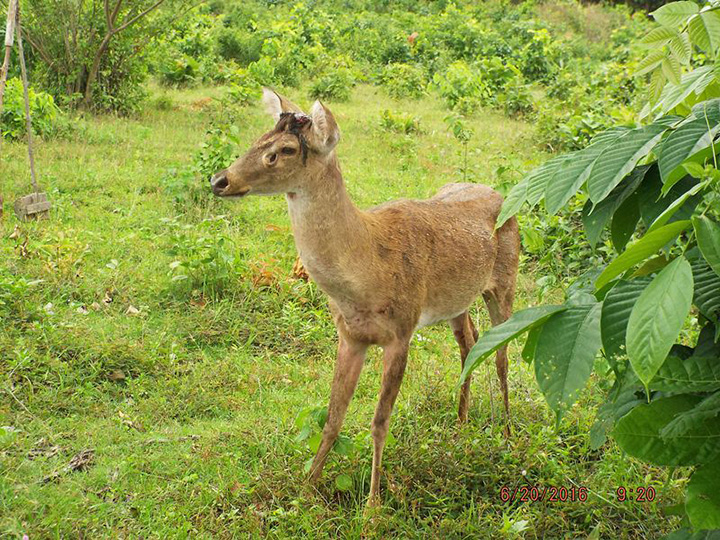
388, 271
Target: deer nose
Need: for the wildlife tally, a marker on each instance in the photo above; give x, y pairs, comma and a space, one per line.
219, 182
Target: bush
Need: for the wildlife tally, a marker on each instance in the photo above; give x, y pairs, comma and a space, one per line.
404, 80
43, 112
399, 123
218, 151
336, 85
179, 70
462, 87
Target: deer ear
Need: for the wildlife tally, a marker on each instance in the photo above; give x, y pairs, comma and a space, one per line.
275, 104
325, 132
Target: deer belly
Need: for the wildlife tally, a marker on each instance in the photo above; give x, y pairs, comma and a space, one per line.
429, 317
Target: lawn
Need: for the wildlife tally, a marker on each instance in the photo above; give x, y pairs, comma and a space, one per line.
158, 349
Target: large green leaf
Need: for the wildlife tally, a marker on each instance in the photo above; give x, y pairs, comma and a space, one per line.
695, 81
707, 289
657, 318
624, 222
659, 36
564, 354
513, 202
595, 217
675, 13
640, 250
688, 139
638, 433
704, 30
709, 407
677, 205
538, 178
681, 48
572, 174
694, 374
702, 502
618, 159
653, 203
708, 237
502, 334
616, 310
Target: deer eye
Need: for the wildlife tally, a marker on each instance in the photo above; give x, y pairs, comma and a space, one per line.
288, 150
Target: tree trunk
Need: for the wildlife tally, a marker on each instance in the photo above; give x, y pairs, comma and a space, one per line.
92, 74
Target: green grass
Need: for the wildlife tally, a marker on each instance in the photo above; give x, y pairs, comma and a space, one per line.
189, 405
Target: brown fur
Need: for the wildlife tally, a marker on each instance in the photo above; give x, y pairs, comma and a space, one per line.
388, 270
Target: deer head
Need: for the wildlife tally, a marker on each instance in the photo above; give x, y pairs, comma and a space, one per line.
281, 160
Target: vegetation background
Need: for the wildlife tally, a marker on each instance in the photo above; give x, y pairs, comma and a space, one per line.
164, 371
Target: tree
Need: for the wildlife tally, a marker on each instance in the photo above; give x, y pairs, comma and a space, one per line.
78, 42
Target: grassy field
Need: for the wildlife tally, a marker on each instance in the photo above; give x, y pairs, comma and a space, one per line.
184, 392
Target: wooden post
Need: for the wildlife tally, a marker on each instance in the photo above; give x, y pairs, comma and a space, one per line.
9, 34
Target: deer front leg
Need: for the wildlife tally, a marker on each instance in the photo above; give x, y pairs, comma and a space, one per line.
348, 366
394, 361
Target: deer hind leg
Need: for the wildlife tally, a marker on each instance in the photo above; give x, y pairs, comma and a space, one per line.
394, 362
499, 305
465, 335
348, 366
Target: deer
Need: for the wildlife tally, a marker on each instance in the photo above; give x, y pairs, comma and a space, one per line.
387, 271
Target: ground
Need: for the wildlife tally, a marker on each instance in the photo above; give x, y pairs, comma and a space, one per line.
186, 391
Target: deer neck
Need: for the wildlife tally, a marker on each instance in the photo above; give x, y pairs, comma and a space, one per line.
330, 232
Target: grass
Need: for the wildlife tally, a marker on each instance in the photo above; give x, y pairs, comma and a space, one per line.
186, 390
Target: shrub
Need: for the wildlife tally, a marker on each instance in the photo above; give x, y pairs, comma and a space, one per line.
218, 150
179, 69
462, 87
399, 122
336, 85
404, 80
205, 264
43, 112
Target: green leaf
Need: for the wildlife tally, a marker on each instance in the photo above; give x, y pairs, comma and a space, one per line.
655, 88
709, 407
528, 352
653, 203
640, 250
704, 30
676, 205
343, 482
314, 442
537, 180
624, 221
595, 217
707, 290
694, 374
572, 174
616, 310
500, 335
344, 445
688, 139
616, 161
657, 318
702, 501
680, 47
659, 36
672, 70
564, 355
675, 13
638, 434
513, 202
692, 82
708, 237
651, 61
